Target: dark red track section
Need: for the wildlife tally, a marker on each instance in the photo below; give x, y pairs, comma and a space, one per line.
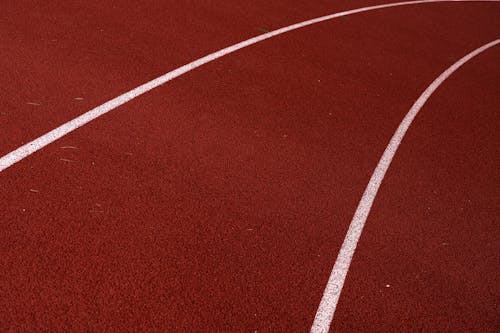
219, 201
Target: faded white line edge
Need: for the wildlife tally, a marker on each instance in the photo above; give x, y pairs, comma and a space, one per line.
329, 301
31, 147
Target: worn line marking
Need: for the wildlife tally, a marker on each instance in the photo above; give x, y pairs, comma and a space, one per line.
57, 133
326, 309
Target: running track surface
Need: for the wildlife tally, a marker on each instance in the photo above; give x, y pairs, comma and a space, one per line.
219, 201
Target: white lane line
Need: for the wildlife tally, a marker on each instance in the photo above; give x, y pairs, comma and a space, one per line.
57, 133
326, 309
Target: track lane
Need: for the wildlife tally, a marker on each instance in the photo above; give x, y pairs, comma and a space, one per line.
228, 179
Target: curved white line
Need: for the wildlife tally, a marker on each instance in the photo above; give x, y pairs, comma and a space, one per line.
326, 309
57, 133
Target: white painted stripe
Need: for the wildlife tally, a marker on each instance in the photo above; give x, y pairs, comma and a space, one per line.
326, 309
57, 133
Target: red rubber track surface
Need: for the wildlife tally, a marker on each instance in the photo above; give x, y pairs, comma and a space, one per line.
219, 201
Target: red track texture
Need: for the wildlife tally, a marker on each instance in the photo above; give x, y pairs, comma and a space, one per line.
219, 201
